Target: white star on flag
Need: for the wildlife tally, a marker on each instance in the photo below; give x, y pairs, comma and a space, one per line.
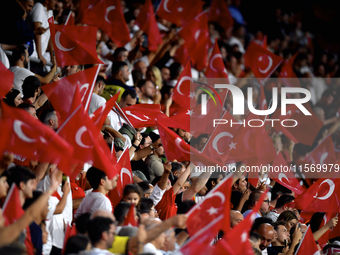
244, 237
232, 145
192, 95
190, 112
212, 210
179, 9
260, 58
90, 7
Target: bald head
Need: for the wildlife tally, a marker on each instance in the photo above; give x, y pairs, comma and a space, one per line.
267, 233
235, 218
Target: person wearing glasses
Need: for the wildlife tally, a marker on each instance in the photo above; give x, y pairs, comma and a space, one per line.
253, 200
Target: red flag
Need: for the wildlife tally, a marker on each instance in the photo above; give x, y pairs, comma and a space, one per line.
197, 40
261, 61
85, 7
264, 42
108, 16
174, 146
284, 175
147, 22
199, 243
12, 209
89, 145
220, 14
263, 101
74, 45
70, 231
252, 144
216, 202
99, 116
7, 78
144, 115
216, 68
182, 55
61, 92
179, 12
331, 233
217, 145
287, 73
307, 244
182, 94
125, 177
321, 196
307, 127
34, 140
130, 219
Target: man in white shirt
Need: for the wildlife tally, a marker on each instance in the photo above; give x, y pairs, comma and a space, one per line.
97, 200
157, 244
96, 100
148, 91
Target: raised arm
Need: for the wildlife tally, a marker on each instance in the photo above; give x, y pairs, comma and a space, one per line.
181, 180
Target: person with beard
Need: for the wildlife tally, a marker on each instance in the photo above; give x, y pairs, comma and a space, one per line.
253, 200
49, 117
19, 65
154, 161
147, 91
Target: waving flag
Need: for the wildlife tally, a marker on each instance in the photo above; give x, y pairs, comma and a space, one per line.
220, 14
74, 45
287, 74
130, 219
308, 244
216, 68
7, 78
12, 210
261, 61
179, 12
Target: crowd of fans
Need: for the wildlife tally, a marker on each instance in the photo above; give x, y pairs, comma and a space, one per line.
161, 192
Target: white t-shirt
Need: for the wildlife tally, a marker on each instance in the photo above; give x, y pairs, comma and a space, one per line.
52, 203
150, 248
93, 202
40, 14
115, 121
4, 58
20, 74
96, 102
157, 194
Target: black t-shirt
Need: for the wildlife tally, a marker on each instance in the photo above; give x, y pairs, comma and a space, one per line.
274, 250
141, 166
235, 198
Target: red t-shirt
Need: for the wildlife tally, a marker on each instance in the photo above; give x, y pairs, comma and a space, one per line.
167, 207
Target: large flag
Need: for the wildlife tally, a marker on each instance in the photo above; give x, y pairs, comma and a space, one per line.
12, 209
197, 40
261, 61
220, 14
125, 177
216, 202
322, 196
307, 126
34, 140
74, 45
61, 92
283, 175
147, 23
7, 78
216, 68
179, 12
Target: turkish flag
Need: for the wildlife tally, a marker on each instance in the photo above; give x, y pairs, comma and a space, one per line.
85, 7
7, 78
331, 233
220, 14
74, 45
5, 131
183, 95
323, 154
70, 231
238, 237
34, 140
125, 177
216, 202
12, 209
70, 19
179, 12
108, 16
147, 23
174, 146
197, 40
90, 147
200, 242
144, 115
261, 61
321, 196
307, 127
216, 68
99, 116
252, 144
61, 92
308, 244
287, 74
218, 143
285, 177
176, 121
130, 219
182, 55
